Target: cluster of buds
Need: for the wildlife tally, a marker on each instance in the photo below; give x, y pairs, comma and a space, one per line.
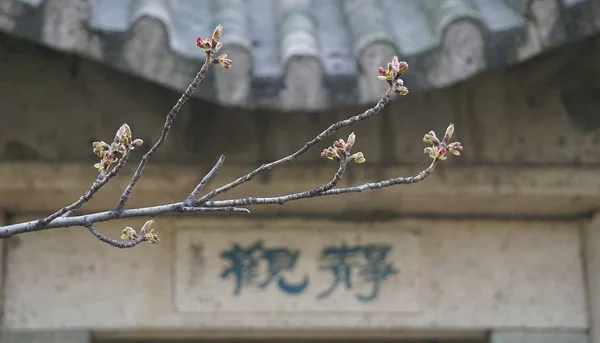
439, 149
213, 45
341, 151
392, 74
129, 233
223, 61
122, 144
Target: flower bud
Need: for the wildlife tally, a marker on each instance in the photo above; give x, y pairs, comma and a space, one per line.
395, 63
226, 63
441, 154
339, 145
455, 148
137, 143
223, 61
128, 233
121, 149
449, 132
204, 43
124, 134
385, 74
428, 139
402, 68
99, 148
146, 227
152, 237
358, 158
431, 138
401, 90
456, 145
217, 33
100, 166
330, 153
431, 151
350, 142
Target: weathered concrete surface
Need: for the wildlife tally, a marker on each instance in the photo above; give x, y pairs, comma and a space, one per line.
473, 274
538, 337
462, 336
4, 221
306, 281
66, 336
591, 248
539, 113
452, 189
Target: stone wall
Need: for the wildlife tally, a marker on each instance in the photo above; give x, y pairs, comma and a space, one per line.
531, 134
450, 274
537, 113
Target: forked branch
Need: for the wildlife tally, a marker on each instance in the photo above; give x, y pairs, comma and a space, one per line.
115, 156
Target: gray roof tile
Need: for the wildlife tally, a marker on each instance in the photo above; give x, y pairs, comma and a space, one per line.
303, 54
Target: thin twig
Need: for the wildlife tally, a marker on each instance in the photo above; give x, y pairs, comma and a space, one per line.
330, 130
99, 183
334, 181
280, 200
115, 243
165, 131
190, 199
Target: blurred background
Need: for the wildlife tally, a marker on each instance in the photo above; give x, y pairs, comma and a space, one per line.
498, 245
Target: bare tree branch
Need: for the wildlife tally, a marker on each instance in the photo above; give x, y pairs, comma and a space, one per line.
340, 151
213, 206
280, 200
192, 197
165, 131
99, 183
114, 242
291, 158
153, 211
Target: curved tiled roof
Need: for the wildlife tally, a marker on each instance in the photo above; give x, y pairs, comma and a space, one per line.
303, 54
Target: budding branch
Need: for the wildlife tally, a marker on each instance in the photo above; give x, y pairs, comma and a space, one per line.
114, 157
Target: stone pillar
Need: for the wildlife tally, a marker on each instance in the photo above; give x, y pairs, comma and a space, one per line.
538, 337
3, 221
67, 336
590, 237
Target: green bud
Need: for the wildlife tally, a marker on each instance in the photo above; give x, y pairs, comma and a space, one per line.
449, 132
358, 158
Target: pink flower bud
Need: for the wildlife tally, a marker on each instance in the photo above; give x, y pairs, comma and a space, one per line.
330, 153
